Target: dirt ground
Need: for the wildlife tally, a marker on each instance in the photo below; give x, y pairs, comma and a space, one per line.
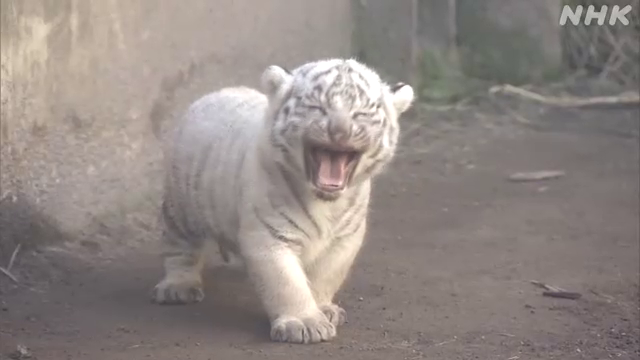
445, 273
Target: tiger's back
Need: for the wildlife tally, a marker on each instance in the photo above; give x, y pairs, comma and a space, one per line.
205, 159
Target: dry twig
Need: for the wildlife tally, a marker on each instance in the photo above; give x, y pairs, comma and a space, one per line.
445, 342
556, 292
7, 270
627, 98
536, 175
9, 275
609, 298
562, 294
13, 257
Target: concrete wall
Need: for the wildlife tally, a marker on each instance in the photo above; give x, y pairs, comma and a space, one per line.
509, 40
437, 28
385, 36
430, 42
85, 83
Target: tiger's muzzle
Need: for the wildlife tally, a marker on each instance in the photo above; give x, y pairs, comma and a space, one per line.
331, 159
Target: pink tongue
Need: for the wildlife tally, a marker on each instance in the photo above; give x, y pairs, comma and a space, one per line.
332, 169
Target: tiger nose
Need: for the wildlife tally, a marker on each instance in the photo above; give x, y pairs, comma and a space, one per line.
339, 130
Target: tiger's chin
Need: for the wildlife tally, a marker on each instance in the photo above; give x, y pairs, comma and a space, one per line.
326, 196
330, 169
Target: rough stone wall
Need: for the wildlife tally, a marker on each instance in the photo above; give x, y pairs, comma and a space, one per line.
385, 36
497, 40
85, 83
509, 40
437, 27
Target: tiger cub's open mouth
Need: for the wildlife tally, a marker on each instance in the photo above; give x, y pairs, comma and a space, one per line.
330, 169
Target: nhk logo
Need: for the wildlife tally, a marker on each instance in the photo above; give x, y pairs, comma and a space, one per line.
574, 14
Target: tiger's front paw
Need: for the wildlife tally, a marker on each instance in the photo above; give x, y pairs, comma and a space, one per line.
305, 330
178, 290
335, 314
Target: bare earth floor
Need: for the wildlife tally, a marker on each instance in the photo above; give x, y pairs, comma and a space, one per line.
445, 273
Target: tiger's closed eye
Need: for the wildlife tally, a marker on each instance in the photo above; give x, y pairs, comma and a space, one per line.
359, 115
320, 109
368, 117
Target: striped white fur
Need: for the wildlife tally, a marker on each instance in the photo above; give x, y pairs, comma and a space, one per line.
282, 180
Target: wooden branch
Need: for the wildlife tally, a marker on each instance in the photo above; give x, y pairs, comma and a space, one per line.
13, 257
9, 275
627, 98
556, 292
7, 271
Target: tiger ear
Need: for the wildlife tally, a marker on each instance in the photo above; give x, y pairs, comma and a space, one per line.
402, 96
273, 78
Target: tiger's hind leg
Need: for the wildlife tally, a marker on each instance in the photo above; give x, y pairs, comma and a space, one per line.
183, 264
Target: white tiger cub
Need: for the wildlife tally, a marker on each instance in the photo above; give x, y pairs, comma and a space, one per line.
282, 180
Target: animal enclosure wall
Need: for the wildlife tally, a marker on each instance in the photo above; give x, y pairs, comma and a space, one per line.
428, 40
85, 83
